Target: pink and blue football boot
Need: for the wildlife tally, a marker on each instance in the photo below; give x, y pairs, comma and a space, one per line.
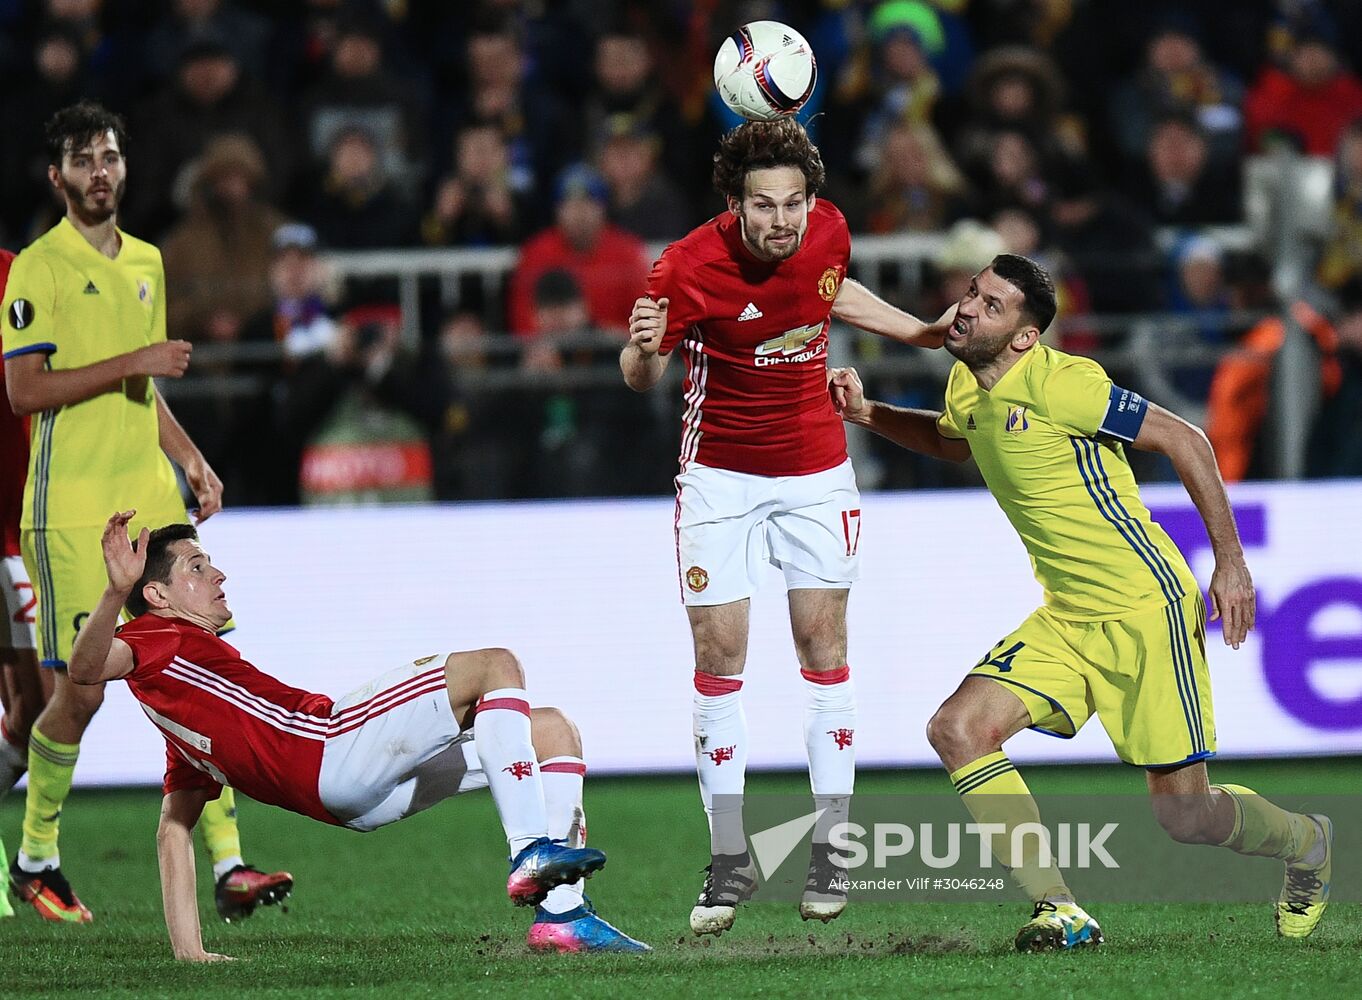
579, 929
543, 865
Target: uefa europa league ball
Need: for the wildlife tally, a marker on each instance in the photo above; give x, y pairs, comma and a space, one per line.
765, 70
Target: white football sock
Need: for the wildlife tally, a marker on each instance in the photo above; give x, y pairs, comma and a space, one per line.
720, 729
221, 868
501, 733
563, 778
829, 729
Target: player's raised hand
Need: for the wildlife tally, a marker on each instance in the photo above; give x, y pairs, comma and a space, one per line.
207, 489
846, 390
647, 323
1233, 601
168, 359
124, 565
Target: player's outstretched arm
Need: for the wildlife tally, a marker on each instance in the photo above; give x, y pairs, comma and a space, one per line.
859, 306
180, 810
1231, 589
98, 655
640, 363
32, 388
202, 480
912, 429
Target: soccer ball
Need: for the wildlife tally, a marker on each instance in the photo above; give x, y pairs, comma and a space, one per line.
765, 70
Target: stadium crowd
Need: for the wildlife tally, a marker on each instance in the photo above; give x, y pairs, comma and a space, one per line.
264, 136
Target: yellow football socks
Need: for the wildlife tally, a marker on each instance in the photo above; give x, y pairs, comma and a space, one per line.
220, 833
50, 766
1266, 830
994, 792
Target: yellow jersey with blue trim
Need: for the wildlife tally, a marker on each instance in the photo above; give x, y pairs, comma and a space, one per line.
1050, 438
77, 307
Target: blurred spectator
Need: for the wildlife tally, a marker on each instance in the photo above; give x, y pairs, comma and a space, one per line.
298, 318
1013, 173
1241, 390
1015, 90
349, 408
479, 203
609, 264
357, 205
915, 187
1023, 232
1177, 79
560, 313
1342, 256
1335, 444
247, 35
1177, 181
359, 91
541, 131
217, 259
625, 87
970, 246
1109, 243
890, 82
209, 97
58, 78
1199, 294
643, 198
1308, 101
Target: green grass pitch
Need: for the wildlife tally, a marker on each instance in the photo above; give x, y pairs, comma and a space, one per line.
419, 910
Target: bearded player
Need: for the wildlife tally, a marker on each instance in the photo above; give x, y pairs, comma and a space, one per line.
764, 473
1122, 632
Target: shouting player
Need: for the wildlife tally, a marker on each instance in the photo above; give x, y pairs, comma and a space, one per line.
84, 333
410, 738
764, 473
1122, 632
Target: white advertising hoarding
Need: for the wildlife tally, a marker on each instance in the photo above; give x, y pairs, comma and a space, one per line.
587, 594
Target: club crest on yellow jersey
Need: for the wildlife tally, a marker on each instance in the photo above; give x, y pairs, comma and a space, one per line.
1016, 420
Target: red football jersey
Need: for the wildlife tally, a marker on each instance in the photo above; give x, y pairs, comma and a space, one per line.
755, 337
13, 450
224, 721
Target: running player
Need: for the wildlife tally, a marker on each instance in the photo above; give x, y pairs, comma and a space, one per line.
1122, 631
764, 473
414, 736
84, 333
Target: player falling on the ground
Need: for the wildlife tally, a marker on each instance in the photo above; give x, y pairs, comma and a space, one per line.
1122, 631
410, 738
84, 335
764, 474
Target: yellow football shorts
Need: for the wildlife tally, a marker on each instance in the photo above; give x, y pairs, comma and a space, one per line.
1144, 676
66, 567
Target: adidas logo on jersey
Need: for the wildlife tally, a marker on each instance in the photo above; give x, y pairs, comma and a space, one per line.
90, 288
969, 424
749, 312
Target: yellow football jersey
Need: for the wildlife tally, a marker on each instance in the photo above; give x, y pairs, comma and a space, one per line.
68, 301
1047, 438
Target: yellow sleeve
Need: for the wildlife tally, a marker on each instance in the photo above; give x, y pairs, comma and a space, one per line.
945, 424
30, 307
1077, 395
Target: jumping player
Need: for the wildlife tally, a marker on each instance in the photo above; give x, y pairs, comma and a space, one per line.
1122, 632
764, 474
414, 736
84, 330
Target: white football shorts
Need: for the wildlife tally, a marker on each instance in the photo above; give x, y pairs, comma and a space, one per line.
731, 525
17, 631
398, 749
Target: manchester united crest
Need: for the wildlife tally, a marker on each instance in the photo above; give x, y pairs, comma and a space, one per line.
828, 283
697, 579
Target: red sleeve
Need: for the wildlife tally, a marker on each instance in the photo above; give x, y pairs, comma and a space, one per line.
153, 644
674, 278
181, 775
